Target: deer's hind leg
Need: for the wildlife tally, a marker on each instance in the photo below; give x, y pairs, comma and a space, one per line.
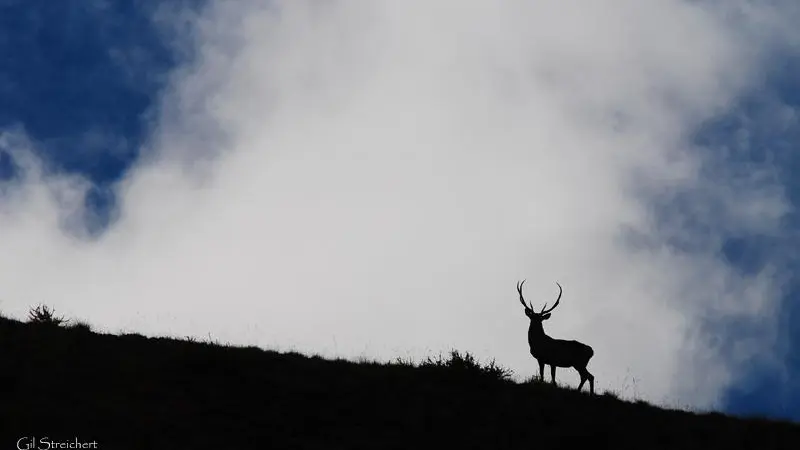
583, 378
585, 375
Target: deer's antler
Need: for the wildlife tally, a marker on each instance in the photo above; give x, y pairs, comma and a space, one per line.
521, 299
560, 291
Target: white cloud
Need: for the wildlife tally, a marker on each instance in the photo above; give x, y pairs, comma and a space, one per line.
374, 177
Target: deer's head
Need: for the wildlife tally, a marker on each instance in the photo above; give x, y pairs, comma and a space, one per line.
543, 314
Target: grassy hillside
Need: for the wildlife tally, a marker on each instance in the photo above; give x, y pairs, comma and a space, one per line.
63, 382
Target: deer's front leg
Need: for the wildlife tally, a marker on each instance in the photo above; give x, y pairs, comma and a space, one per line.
541, 371
553, 373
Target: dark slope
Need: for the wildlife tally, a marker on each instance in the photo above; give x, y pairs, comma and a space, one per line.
135, 392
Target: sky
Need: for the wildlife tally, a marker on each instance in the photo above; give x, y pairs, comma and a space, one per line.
371, 179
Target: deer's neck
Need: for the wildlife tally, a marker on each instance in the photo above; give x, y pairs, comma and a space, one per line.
536, 334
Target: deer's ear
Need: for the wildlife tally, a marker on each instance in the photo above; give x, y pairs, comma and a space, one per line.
546, 316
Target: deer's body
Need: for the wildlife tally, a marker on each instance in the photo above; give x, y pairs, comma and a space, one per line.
556, 352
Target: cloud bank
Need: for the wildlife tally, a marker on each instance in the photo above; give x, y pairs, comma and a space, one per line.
373, 178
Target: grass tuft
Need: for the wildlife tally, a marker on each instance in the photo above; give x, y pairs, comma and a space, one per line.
80, 326
43, 315
467, 365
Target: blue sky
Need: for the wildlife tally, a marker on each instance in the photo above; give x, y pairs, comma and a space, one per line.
772, 139
86, 83
80, 79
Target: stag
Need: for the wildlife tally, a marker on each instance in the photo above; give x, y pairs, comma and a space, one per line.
555, 352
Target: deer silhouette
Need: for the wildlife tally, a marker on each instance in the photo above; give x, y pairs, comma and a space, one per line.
555, 352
